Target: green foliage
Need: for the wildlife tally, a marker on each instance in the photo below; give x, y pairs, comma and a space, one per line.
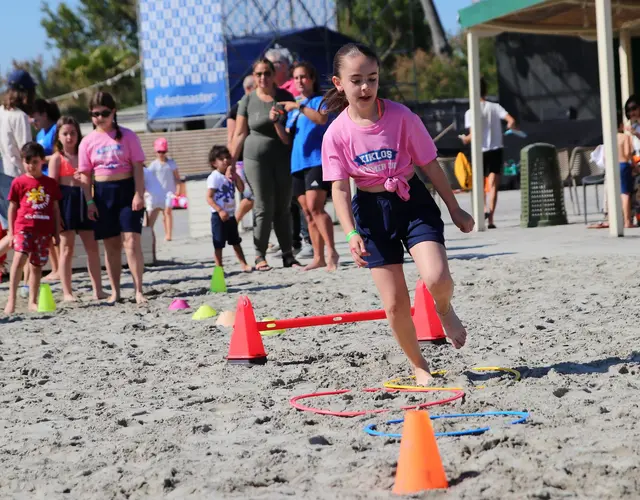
390, 26
441, 78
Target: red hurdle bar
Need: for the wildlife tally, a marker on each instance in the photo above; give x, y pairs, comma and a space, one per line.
329, 319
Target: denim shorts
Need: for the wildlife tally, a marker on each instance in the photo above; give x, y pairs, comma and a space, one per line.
224, 232
626, 178
5, 186
73, 210
388, 225
115, 215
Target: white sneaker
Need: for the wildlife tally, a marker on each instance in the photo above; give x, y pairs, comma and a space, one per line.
273, 248
306, 252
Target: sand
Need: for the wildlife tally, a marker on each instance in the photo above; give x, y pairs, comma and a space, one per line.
139, 402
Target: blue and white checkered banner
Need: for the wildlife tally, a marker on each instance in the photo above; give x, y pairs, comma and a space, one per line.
183, 56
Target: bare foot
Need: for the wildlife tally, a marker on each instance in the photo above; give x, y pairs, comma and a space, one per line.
315, 264
167, 238
51, 277
453, 328
140, 299
423, 377
333, 262
113, 298
246, 268
69, 298
33, 308
10, 308
100, 295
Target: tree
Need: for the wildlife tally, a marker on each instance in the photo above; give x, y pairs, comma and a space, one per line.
392, 27
441, 78
96, 41
441, 46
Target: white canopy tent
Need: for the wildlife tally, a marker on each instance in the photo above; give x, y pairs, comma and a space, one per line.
589, 19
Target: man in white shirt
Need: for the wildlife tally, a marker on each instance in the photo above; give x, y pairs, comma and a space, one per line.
492, 145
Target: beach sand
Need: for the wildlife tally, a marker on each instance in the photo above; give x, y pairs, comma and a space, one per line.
139, 402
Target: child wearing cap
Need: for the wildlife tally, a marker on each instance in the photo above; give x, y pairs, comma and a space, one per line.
161, 179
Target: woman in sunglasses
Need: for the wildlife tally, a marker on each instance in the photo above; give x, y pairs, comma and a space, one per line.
261, 136
111, 162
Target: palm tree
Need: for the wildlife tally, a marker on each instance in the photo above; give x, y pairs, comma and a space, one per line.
441, 46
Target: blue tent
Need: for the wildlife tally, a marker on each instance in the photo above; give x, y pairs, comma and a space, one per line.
315, 45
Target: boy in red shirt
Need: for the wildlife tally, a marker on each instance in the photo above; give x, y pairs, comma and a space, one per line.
34, 218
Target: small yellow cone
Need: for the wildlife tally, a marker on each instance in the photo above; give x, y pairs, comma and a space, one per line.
217, 281
46, 303
204, 312
270, 333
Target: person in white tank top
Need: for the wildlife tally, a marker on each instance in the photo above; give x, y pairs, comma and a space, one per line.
492, 145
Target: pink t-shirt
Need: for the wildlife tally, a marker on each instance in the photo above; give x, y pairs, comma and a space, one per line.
382, 153
101, 154
290, 86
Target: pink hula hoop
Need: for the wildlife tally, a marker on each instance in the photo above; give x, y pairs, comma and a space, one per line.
294, 401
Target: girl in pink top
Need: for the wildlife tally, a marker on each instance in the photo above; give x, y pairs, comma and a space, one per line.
377, 143
111, 161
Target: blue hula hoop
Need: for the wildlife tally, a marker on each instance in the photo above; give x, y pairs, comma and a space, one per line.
523, 416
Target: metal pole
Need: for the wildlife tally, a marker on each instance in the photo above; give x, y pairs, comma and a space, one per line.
477, 194
608, 107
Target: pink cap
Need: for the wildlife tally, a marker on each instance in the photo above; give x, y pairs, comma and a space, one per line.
160, 144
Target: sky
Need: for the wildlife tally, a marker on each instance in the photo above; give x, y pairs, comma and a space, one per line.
22, 37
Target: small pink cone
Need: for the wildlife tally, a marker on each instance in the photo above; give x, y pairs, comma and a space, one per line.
178, 304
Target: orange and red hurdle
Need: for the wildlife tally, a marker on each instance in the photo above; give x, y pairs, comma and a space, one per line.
246, 345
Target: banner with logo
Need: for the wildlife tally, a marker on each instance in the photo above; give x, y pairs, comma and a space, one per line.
183, 56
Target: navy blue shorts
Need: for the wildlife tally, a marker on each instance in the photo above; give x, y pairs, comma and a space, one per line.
388, 224
73, 210
115, 215
224, 232
626, 178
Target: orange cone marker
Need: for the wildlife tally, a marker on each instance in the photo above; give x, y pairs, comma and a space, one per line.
419, 465
246, 343
425, 317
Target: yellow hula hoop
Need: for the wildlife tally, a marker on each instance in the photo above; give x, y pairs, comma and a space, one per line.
395, 383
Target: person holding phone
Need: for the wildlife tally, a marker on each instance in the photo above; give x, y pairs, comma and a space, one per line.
261, 136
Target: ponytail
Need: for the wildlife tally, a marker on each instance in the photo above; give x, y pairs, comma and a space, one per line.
117, 127
334, 101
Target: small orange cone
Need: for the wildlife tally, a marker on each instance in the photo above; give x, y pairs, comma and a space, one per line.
425, 317
419, 465
246, 343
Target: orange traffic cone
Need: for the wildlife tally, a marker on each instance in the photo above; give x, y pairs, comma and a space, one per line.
425, 317
419, 465
246, 343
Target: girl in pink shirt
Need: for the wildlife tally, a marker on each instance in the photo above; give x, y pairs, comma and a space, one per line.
111, 161
377, 143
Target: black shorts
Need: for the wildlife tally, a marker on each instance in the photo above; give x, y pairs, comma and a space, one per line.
492, 161
115, 216
388, 224
308, 180
73, 210
224, 232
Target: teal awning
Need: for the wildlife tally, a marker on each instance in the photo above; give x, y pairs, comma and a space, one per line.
551, 17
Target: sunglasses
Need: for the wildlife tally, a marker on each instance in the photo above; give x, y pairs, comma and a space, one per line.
161, 152
266, 74
103, 114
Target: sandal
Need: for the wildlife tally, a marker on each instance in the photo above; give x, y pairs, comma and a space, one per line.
262, 265
288, 260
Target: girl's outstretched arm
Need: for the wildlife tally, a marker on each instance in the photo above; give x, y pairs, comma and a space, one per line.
440, 182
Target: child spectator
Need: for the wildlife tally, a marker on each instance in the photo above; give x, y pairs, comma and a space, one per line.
167, 180
625, 159
34, 218
221, 186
